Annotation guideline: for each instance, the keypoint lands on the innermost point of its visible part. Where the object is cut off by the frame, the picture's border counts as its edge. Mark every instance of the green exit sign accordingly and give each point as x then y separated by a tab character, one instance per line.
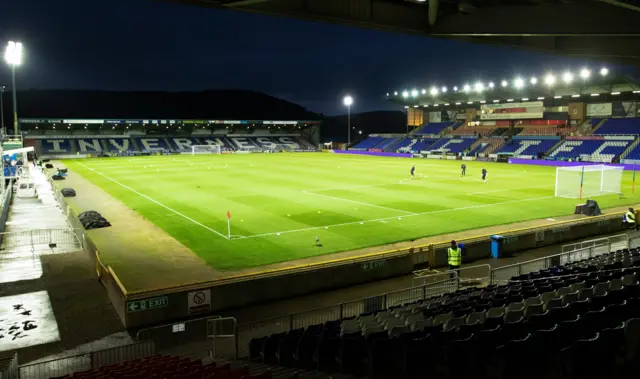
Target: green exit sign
146	304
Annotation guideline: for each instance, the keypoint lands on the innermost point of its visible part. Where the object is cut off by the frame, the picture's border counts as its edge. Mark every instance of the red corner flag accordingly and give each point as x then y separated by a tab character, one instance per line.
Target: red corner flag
229	224
229	215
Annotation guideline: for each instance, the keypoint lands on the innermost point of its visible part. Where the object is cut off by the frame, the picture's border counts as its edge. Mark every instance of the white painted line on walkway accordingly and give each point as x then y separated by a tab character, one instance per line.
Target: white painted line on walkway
156	202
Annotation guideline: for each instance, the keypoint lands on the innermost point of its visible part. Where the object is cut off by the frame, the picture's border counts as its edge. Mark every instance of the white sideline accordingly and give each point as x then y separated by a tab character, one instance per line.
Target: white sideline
511	189
358	202
390	218
154	201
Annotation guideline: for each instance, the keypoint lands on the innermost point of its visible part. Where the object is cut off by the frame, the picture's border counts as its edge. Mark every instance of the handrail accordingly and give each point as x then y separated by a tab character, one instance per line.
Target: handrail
350	260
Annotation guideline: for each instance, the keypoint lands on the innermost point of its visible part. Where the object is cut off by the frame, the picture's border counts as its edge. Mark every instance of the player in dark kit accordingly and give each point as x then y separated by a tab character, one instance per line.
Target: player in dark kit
413	171
484	175
464	169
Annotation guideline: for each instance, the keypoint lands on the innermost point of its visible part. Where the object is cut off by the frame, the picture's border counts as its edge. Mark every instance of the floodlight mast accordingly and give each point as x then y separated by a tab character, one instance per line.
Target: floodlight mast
348	102
13	56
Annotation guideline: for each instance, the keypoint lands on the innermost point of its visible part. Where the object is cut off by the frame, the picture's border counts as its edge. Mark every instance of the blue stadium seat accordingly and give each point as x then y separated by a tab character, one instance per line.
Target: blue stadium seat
434	127
527	147
368	143
453	145
602	150
620	126
54	146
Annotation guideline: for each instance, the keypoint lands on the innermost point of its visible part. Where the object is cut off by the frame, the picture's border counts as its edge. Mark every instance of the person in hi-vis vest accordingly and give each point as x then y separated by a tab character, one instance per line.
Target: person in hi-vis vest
630	217
454	254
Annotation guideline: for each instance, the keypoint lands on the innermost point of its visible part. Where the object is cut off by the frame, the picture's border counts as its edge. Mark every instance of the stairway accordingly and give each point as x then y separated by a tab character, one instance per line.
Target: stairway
555	146
494	145
33	222
629	149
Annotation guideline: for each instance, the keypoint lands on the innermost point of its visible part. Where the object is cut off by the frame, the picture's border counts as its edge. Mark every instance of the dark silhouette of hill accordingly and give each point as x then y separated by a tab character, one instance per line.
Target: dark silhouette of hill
335	127
211	104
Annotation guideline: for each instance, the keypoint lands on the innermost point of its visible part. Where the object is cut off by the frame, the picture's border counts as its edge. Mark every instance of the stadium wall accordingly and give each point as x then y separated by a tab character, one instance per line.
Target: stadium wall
374	153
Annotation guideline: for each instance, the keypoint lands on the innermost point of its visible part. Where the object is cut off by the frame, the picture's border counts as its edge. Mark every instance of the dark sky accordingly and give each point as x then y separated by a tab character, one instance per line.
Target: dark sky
151	45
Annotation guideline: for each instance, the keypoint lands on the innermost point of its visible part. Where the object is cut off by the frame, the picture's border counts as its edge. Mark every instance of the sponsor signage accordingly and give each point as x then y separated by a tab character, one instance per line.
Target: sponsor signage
529	104
80	121
602	109
512	116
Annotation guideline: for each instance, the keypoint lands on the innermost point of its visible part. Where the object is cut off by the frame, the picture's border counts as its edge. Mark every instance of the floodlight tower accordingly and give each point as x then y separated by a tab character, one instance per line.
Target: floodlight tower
2	110
348	102
13	56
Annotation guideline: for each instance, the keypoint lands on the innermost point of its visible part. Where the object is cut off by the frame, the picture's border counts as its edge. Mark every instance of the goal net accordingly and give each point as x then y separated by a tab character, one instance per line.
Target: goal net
587	181
205	149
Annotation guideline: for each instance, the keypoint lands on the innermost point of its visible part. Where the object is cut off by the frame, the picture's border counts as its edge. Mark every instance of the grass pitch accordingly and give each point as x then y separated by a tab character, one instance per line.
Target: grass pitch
279	203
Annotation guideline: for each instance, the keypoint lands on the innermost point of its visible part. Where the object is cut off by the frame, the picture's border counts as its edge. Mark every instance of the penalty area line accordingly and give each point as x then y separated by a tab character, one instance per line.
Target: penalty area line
156	202
394	217
359	202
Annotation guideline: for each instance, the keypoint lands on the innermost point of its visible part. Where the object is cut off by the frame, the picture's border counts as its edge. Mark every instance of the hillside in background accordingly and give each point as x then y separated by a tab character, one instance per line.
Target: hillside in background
335	127
212	105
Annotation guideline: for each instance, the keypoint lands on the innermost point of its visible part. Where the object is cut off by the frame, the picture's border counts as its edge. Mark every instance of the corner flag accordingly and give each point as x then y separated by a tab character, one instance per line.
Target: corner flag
581	181
633	184
229	224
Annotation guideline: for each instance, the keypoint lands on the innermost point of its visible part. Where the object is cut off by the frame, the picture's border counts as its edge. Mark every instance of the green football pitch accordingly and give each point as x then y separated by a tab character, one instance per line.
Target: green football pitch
279	203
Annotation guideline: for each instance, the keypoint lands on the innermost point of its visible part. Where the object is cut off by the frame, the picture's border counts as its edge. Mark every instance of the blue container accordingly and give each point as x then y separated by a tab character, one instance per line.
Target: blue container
497	244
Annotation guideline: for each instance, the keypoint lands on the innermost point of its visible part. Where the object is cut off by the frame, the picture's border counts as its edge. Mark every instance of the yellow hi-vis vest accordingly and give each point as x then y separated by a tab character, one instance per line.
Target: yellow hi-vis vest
631	218
455	256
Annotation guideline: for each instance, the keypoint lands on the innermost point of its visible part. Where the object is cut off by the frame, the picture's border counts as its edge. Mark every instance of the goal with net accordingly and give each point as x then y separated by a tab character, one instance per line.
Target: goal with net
205	149
586	181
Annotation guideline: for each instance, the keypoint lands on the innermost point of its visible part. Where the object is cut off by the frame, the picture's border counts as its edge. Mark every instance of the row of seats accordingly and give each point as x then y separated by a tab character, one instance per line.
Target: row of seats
618	126
473	131
547	131
565	304
435	127
527	147
149	144
597	150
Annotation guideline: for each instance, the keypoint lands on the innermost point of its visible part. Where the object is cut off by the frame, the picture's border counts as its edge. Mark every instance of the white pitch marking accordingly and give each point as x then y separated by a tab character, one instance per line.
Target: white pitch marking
509	189
358	202
394	217
159	203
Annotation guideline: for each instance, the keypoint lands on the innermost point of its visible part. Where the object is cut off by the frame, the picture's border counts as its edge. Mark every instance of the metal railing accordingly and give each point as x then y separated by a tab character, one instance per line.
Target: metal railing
249	331
619	241
82	362
505	273
223	333
9	368
477	275
167	336
39	237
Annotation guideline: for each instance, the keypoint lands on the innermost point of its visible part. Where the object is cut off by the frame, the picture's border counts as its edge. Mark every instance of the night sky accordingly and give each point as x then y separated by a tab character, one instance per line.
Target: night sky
149	45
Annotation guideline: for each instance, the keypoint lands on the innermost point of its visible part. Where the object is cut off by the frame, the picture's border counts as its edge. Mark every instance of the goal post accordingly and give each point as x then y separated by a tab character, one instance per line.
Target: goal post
586	181
205	149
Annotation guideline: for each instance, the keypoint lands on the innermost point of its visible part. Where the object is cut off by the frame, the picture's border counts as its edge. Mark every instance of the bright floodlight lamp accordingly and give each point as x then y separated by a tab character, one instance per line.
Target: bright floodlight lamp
504	83
443	89
455	89
414	93
424	91
466	88
491	85
550	80
395	93
518	83
534	80
604	71
13	53
567	77
405	94
348	101
585	73
433	91
479	87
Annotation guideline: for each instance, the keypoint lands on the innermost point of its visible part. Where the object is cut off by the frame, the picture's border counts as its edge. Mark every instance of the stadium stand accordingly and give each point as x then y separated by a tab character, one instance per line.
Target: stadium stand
473	131
434	127
453	145
368	143
485	145
386	143
527	147
596	150
423	144
578	320
56	146
620	126
535	130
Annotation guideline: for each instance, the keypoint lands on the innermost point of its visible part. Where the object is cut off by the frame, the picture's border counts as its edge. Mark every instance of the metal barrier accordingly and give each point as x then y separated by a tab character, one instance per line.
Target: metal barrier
40	237
620	241
9	368
505	273
247	332
477	275
168	336
224	329
82	362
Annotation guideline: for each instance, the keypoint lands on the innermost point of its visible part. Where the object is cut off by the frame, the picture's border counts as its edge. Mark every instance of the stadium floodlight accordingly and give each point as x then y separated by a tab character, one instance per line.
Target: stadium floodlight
405	94
504	83
567	77
585	73
525	99
479	87
433	91
518	83
496	101
541	98
595	94
458	103
509	100
455	88
348	102
575	95
414	93
387	93
615	93
604	71
550	80
466	88
395	93
424	91
557	97
534	80
13	56
443	89
491	85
